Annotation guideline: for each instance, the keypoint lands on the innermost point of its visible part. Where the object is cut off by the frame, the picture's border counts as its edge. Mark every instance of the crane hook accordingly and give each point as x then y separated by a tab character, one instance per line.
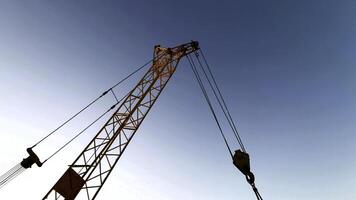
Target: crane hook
242	161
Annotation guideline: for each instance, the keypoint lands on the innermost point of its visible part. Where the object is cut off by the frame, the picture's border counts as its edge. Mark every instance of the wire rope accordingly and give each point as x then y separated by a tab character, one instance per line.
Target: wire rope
81	132
198	78
95	100
220	100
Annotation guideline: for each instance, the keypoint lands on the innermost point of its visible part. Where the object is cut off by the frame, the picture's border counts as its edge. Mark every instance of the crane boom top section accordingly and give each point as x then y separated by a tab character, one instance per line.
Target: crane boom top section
87	174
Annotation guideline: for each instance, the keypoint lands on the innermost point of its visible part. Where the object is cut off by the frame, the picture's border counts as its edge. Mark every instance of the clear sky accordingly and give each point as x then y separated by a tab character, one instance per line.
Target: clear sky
286	68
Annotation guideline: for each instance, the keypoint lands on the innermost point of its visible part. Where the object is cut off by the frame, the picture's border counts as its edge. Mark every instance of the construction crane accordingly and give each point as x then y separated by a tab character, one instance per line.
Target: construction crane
93	166
86	176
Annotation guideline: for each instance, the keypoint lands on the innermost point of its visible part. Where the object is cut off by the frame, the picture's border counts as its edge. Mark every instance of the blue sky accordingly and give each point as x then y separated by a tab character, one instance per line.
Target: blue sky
286	68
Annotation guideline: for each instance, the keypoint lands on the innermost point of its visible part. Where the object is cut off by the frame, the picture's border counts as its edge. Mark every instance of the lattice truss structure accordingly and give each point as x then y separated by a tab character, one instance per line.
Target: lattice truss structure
88	173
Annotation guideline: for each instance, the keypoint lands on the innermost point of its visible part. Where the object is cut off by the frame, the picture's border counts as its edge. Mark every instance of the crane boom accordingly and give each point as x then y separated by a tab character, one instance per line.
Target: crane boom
87	174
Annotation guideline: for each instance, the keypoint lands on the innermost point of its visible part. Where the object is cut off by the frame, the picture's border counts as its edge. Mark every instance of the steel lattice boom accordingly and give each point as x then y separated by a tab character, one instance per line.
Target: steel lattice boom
88	173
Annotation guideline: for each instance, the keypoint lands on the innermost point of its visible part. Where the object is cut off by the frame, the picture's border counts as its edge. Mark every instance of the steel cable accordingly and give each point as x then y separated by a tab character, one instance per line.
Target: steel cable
222	98
82	131
95	100
11	174
221	103
198	78
229	118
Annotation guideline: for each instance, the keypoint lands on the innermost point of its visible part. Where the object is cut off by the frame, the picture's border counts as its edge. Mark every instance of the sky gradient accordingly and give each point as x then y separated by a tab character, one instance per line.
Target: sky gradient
286	68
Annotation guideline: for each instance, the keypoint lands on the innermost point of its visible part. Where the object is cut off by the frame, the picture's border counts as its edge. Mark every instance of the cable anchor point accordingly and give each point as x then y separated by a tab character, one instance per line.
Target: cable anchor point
31	159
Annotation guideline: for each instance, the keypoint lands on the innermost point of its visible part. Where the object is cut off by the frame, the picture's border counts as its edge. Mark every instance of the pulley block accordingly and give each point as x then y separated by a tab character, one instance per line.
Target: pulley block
242	161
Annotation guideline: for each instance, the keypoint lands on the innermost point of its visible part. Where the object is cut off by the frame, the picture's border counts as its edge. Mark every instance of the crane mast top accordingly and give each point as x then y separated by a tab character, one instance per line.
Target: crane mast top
87	174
